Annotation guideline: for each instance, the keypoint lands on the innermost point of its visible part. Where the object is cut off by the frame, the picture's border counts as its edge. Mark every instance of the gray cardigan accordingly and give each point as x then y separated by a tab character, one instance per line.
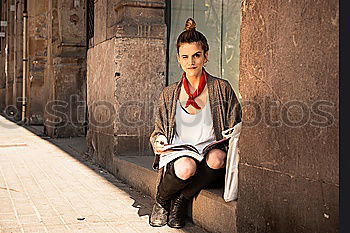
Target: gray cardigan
224	106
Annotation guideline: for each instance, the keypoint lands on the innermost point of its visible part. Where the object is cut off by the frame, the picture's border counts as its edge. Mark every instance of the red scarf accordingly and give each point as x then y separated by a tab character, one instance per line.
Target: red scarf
191	97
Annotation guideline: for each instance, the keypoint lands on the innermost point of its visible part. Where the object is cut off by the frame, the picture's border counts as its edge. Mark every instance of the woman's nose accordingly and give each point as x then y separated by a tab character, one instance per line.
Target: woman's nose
191	60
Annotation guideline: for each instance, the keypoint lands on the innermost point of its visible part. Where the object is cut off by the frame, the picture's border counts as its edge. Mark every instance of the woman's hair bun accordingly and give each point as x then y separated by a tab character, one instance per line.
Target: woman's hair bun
190	24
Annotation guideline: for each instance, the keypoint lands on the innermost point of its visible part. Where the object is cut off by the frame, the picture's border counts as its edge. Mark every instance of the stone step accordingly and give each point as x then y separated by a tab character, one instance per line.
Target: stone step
208	210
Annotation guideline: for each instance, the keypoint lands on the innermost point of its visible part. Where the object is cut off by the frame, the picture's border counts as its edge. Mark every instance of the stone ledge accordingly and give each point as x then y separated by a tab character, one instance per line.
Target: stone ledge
208	210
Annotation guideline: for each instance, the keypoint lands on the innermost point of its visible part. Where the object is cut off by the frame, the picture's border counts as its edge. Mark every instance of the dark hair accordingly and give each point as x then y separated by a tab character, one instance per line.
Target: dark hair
191	35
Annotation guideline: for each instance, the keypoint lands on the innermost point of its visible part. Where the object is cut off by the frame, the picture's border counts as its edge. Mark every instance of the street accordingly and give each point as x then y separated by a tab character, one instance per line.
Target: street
46	186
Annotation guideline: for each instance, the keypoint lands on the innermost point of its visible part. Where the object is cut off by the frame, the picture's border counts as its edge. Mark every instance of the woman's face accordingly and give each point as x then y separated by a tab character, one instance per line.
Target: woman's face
191	57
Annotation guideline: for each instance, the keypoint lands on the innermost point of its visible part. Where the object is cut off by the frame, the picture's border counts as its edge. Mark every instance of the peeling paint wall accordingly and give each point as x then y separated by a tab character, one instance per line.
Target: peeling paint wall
289	172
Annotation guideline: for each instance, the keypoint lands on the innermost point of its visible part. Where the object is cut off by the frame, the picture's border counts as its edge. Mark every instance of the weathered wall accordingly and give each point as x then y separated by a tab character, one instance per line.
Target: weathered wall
2	59
8	84
138	86
9	53
18	58
65	72
37	58
49	84
126	70
101	100
289	172
57	64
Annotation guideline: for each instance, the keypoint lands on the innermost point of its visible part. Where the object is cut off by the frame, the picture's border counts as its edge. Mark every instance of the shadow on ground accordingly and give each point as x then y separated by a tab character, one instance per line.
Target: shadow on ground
76	147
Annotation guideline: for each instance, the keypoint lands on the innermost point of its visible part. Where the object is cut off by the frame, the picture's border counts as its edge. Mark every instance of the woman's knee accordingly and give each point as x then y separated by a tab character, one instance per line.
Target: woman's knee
185	168
216	159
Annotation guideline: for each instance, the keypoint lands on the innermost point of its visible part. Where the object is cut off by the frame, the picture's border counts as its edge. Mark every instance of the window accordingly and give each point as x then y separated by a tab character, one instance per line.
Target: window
219	21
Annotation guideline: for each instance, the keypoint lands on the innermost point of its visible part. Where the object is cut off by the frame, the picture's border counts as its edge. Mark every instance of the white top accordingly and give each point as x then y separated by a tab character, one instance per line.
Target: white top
195	129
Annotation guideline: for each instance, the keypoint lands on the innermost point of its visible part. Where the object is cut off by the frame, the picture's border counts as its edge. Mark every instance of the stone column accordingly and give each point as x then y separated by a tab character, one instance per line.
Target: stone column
65	71
37	58
289	145
18	56
9	53
140	60
127	62
3	12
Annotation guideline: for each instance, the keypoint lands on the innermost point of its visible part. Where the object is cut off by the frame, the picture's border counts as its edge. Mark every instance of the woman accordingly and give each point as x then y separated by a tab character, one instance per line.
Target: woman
194	111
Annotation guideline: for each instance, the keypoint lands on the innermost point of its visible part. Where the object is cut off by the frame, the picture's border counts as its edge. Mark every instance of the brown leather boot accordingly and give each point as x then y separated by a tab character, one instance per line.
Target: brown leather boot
160	212
178	211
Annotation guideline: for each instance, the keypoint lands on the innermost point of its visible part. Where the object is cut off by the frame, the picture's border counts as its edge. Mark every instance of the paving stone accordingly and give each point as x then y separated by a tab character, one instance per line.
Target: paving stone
47	188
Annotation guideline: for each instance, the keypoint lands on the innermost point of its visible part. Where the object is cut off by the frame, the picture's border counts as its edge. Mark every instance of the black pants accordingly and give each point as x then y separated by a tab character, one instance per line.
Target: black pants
171	185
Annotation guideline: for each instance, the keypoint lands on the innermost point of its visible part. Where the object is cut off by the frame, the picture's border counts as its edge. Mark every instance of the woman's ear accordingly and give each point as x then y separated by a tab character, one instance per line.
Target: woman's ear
206	56
178	60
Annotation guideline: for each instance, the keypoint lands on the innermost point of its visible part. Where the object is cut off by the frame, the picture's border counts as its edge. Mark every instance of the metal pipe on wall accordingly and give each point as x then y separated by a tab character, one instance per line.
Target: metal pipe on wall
25	63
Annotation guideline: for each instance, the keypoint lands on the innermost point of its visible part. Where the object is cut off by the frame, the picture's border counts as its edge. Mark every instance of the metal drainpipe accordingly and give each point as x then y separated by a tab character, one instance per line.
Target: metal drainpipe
25	62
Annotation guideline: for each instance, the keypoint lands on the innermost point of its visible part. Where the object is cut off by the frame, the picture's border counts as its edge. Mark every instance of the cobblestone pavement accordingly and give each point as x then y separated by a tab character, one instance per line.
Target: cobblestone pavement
46	187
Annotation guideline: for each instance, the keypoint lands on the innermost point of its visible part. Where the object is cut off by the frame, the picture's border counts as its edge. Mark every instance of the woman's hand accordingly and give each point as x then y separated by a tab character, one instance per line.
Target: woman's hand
160	142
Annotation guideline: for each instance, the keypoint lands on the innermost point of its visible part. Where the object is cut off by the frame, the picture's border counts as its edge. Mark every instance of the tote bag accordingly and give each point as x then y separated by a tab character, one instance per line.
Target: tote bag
232	159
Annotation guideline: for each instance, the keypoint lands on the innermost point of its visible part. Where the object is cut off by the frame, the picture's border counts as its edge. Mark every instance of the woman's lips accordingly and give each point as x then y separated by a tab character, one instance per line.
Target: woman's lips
192	68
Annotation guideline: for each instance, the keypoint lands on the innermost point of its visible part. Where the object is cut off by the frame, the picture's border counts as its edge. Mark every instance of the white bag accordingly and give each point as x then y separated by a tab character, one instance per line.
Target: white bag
232	159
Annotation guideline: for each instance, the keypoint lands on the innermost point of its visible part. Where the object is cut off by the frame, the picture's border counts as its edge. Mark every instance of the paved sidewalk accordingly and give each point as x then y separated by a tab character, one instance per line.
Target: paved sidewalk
48	186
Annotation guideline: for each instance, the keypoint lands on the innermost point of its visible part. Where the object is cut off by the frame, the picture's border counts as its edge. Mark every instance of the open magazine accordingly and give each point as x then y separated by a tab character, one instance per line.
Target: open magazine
173	151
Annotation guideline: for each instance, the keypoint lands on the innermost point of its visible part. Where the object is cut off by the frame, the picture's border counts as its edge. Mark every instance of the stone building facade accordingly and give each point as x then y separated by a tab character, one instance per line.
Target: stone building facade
55	64
289	173
65	87
288	81
126	67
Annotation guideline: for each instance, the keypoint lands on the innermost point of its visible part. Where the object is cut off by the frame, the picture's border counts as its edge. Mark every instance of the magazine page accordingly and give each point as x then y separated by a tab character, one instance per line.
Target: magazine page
215	144
170	156
177	147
